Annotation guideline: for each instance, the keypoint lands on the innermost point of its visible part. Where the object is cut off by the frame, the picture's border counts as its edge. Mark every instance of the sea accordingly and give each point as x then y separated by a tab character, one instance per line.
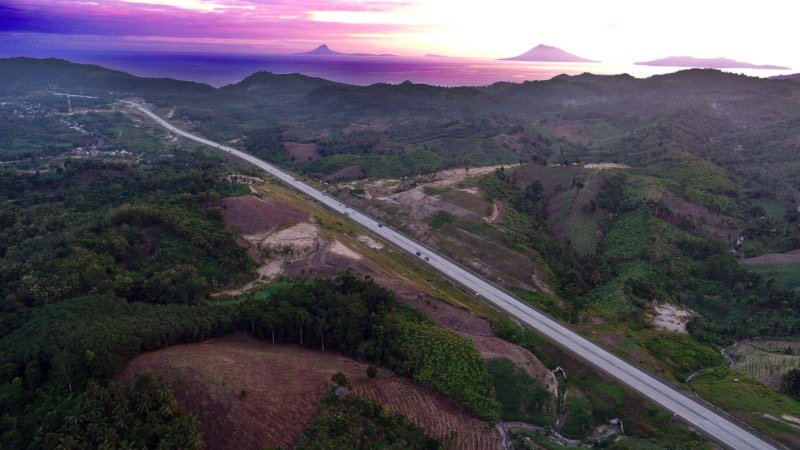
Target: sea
223	69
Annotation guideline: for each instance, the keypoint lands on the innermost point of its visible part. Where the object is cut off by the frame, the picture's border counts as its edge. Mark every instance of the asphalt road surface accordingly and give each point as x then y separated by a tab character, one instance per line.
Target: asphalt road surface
696	414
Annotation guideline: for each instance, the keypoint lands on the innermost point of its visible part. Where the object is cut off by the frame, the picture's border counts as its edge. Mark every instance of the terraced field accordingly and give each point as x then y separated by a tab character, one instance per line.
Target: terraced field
766	361
439	417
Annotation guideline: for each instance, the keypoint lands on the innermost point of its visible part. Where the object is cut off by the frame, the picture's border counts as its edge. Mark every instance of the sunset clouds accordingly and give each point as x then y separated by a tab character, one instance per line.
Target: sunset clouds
219	25
613	30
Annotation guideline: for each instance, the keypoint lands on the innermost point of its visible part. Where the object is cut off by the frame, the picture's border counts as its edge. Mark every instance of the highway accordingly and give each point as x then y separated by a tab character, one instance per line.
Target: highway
696	414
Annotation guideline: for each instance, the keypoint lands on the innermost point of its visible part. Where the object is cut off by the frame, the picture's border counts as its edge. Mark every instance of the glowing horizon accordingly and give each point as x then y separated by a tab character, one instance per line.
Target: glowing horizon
617	31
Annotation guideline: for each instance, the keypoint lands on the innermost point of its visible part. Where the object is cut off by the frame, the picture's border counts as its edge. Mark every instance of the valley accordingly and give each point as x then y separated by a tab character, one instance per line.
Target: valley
617	226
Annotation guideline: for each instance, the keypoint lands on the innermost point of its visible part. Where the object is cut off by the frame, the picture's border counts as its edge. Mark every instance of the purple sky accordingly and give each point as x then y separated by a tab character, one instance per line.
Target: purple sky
229	26
610	30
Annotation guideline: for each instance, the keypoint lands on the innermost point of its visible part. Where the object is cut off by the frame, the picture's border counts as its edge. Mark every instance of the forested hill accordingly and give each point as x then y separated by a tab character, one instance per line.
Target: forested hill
618	92
291	86
730	120
22	75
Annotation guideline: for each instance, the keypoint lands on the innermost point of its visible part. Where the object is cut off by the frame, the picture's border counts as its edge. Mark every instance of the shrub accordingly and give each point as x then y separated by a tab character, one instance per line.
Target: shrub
339	379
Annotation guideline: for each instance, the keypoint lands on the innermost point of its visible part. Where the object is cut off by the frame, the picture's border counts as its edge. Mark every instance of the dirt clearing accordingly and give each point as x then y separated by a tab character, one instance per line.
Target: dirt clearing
792	257
301	152
670	317
297	239
284	386
249	215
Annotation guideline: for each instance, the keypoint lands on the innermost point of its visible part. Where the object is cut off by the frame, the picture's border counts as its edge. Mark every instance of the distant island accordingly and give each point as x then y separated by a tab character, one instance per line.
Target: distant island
706	63
434	55
792	76
324	50
546	53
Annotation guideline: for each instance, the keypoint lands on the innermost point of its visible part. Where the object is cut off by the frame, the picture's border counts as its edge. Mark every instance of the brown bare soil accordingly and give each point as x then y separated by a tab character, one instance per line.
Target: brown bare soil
327	261
346	173
249	215
498	213
284	385
301	152
375	125
437	415
792	257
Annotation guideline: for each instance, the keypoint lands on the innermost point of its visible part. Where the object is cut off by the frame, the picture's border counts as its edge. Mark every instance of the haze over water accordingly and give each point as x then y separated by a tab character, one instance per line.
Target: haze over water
219	69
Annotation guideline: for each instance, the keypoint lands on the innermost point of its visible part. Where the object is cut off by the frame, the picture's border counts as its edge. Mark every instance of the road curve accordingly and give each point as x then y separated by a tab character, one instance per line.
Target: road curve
696	414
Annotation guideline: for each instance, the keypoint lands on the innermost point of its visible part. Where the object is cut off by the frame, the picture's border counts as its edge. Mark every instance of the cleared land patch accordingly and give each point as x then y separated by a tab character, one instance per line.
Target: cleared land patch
669	317
284	384
301	152
250	215
792	257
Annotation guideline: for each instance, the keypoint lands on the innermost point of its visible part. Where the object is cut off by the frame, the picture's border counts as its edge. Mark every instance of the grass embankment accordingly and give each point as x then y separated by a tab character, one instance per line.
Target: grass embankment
770	412
521	398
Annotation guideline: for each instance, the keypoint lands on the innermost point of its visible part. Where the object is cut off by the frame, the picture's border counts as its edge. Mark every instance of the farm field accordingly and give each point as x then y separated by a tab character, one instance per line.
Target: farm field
766	361
441	418
249	394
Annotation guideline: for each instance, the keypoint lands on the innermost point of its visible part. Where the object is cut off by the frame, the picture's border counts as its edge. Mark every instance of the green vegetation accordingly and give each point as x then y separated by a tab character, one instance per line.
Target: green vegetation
448	363
579	417
520	396
440	219
628	238
681	353
147	233
359	318
99	222
66	347
743	397
524	440
529	201
353	423
790	384
143	414
412	161
704	183
785	277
